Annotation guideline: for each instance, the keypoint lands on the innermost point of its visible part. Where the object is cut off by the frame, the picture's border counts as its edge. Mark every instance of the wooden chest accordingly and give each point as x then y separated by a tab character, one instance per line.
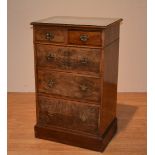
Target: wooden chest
76	69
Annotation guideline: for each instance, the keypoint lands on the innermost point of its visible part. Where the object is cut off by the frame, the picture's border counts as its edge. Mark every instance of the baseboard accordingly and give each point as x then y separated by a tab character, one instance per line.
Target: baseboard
96	143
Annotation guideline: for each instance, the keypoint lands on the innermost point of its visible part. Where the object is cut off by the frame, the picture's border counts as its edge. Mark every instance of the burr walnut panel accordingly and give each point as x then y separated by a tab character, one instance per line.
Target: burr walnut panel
68	85
68	114
69	58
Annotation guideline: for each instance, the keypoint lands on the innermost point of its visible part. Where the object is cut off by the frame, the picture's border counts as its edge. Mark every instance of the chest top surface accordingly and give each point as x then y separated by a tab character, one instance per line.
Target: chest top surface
78	21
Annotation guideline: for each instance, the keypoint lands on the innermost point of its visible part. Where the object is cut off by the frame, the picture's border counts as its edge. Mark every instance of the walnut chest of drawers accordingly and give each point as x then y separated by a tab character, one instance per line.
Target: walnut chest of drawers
76	69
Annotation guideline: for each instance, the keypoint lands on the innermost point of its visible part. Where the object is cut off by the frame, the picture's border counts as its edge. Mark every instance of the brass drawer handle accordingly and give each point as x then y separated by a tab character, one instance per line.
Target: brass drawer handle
84	37
49	36
50	83
83	117
50	56
84	61
83	87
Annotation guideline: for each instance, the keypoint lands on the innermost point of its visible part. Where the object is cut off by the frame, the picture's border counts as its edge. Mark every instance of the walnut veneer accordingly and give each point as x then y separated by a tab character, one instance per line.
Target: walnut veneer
76	70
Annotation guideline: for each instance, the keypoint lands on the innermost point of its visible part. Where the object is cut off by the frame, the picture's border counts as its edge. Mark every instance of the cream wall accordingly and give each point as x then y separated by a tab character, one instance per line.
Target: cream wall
132	59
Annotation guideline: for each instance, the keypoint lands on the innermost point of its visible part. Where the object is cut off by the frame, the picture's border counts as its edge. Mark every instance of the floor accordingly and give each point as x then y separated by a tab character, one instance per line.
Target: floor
129	140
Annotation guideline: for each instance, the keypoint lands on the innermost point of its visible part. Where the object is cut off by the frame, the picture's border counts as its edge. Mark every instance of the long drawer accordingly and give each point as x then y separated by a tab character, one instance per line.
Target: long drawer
69	85
81	60
67	114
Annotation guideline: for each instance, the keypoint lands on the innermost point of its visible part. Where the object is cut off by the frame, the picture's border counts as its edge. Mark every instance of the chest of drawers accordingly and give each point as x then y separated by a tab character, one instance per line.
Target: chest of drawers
76	69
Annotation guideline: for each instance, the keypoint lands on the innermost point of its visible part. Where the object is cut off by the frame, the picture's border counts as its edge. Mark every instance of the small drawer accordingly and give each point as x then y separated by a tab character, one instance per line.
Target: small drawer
50	34
91	38
67	114
81	60
62	84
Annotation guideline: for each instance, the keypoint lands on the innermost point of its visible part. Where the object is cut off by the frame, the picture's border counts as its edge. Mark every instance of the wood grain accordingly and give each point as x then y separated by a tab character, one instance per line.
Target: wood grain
110	75
59	35
95	143
93	37
87	22
129	140
81	60
60	84
111	34
67	114
68	85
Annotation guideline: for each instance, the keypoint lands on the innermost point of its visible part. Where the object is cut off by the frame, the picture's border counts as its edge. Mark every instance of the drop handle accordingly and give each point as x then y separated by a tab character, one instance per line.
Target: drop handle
83	87
83	117
84	37
50	56
49	36
51	83
84	61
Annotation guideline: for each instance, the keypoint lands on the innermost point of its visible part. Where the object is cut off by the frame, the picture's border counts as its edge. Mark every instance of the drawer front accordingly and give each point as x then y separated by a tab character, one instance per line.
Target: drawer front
85	37
68	85
67	58
50	34
68	114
